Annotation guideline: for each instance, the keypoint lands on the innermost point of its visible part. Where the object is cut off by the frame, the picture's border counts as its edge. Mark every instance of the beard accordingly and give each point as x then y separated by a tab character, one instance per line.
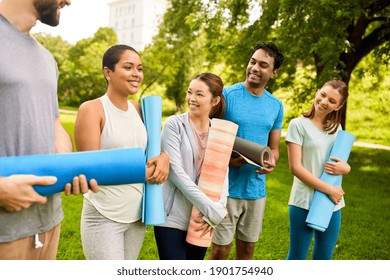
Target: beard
254	82
47	12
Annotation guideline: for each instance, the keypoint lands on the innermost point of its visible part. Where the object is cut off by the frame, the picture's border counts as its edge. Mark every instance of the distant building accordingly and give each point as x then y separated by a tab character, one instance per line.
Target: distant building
136	21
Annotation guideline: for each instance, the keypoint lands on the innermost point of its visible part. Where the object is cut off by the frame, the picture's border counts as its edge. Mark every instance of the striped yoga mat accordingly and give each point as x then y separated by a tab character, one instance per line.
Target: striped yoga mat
222	134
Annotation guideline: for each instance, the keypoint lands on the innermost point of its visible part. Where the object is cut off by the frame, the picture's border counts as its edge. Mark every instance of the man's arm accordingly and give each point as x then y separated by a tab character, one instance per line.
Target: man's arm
63	142
274	142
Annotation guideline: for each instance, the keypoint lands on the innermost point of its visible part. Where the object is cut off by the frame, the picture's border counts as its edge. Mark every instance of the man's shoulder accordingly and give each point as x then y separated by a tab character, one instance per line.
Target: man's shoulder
42	48
234	88
273	97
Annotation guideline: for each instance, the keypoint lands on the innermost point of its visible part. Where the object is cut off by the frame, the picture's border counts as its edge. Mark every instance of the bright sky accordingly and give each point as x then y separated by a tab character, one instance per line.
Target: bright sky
79	20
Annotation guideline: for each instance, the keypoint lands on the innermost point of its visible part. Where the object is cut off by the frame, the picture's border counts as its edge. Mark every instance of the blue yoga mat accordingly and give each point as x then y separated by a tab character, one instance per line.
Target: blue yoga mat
107	167
153	203
322	206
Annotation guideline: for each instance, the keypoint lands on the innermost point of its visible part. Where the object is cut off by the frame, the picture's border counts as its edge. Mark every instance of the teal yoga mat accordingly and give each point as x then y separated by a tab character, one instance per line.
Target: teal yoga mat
322	207
153	203
107	167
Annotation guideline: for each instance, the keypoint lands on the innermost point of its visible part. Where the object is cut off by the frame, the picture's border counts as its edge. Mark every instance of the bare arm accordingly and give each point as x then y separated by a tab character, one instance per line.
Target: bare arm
274	142
88	126
295	162
83	143
63	142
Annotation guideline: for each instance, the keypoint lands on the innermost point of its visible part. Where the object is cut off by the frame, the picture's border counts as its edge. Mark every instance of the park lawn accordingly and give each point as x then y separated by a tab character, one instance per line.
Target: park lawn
365	219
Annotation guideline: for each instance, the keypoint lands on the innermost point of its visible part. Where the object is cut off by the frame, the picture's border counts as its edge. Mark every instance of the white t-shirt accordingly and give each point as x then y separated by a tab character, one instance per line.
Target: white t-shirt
122	129
316	145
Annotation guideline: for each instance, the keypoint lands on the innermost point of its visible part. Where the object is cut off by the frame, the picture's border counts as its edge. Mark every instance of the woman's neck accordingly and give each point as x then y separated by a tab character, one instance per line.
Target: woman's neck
120	101
318	121
201	124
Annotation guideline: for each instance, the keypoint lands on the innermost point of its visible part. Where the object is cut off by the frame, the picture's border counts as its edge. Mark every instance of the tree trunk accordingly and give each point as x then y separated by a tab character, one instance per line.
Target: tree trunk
345	79
344	115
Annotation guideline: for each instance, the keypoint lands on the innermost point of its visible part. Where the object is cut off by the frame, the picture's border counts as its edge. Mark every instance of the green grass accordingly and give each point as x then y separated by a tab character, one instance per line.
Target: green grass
365	219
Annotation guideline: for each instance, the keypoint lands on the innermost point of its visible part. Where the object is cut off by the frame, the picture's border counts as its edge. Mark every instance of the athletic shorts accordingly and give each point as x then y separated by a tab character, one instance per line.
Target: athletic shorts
245	220
42	246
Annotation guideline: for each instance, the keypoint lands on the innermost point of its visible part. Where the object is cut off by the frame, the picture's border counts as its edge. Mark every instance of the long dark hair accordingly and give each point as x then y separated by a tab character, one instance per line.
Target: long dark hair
333	119
215	86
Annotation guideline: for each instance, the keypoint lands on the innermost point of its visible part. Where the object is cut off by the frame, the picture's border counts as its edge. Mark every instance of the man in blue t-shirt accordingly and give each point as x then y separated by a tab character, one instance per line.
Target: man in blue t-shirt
259	115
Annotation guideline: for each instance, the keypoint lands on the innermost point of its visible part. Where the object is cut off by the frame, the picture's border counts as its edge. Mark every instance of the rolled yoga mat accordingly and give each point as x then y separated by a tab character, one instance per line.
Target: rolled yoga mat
322	207
107	167
153	204
252	152
212	176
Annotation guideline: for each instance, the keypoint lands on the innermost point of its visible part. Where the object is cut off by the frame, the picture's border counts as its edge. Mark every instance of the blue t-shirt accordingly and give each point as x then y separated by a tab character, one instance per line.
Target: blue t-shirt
256	117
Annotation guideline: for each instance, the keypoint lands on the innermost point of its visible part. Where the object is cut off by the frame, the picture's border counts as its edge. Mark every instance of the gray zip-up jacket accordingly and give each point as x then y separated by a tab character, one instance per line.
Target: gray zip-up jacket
180	191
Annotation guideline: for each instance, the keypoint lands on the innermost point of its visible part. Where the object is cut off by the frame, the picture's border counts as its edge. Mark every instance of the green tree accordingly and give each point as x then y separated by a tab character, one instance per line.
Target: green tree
328	37
368	108
81	77
337	34
176	53
80	69
321	39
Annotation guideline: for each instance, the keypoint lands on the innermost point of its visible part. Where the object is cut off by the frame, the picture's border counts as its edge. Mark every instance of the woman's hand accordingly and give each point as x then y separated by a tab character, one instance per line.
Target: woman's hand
337	167
157	169
336	194
80	185
203	226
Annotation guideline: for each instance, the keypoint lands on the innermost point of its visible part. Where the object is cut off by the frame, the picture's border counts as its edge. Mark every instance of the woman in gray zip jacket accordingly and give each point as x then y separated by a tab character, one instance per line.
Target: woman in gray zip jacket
184	138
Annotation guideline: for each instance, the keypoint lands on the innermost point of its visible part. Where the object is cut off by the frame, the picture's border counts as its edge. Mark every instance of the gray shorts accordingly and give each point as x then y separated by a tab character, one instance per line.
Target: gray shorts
245	220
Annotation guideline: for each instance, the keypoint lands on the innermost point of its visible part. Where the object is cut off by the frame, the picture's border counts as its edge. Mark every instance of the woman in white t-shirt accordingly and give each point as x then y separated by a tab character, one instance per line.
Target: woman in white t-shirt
309	141
111	227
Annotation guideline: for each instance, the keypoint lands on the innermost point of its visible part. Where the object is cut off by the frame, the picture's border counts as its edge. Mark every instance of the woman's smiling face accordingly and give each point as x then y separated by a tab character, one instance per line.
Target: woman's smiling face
327	100
199	98
128	73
